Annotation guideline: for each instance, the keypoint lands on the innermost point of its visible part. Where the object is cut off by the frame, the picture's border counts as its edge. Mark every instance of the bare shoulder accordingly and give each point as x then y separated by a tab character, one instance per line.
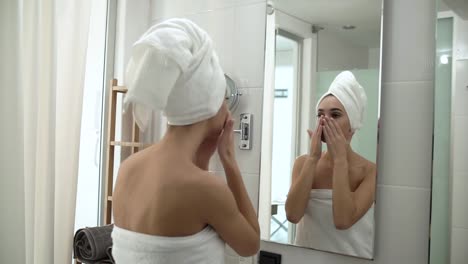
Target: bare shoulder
369	167
214	195
132	162
209	184
300	160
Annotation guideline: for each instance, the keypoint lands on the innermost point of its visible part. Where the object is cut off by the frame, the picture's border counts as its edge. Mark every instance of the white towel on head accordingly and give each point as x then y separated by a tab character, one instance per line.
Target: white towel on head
174	68
351	94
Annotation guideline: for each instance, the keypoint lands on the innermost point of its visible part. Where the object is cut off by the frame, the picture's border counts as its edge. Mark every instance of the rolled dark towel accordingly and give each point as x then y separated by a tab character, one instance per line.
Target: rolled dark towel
91	244
109	254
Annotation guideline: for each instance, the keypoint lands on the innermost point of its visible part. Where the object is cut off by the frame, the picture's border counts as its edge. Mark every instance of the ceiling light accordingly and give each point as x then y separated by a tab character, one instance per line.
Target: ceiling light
348	27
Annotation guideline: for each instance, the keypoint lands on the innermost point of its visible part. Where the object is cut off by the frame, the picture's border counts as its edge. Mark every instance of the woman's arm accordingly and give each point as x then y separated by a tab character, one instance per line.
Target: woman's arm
348	206
303	178
298	195
234	216
343	203
205	152
231	217
237	187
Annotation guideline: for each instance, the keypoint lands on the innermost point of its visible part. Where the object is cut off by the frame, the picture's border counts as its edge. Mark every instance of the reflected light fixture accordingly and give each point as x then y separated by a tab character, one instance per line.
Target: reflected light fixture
444	59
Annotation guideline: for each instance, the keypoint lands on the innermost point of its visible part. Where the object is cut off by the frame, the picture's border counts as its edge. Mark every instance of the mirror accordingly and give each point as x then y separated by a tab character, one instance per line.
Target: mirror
232	93
322	61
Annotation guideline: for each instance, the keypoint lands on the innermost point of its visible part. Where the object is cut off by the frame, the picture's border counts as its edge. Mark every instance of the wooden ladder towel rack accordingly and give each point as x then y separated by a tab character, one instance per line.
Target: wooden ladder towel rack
134	144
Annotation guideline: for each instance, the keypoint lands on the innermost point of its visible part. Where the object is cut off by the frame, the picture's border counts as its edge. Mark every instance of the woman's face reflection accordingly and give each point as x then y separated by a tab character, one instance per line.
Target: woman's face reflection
333	108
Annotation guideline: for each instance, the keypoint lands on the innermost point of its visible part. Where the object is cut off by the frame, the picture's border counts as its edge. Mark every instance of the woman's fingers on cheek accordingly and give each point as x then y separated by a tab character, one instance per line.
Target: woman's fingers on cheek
319	123
330	127
329	130
325	124
327	133
320	130
337	127
333	126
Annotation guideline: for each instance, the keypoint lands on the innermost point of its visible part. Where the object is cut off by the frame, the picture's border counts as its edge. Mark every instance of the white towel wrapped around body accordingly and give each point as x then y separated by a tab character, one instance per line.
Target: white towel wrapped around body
173	68
317	229
351	95
204	247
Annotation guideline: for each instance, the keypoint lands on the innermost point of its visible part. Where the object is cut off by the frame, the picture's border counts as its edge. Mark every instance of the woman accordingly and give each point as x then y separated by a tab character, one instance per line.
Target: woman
332	192
167	207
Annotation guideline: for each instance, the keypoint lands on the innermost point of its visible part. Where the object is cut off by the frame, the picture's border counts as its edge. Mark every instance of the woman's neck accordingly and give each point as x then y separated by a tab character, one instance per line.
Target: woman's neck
352	157
184	139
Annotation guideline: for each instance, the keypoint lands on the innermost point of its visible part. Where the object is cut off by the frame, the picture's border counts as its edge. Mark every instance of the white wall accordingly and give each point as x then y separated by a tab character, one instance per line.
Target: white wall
374	58
11	186
404	165
459	236
336	54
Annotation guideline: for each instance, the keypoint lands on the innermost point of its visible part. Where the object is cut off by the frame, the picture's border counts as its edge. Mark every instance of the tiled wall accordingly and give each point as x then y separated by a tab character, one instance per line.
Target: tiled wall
404	180
459	236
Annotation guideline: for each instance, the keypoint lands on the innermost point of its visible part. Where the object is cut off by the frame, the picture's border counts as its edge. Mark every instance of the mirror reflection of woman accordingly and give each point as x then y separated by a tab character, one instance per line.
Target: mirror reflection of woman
332	193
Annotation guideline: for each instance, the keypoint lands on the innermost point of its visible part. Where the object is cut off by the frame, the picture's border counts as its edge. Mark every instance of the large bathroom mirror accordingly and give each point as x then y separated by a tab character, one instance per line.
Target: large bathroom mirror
322	69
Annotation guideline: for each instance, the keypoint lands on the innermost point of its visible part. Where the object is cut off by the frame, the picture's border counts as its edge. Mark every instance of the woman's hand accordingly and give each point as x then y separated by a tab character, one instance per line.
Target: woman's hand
226	141
208	147
336	142
316	141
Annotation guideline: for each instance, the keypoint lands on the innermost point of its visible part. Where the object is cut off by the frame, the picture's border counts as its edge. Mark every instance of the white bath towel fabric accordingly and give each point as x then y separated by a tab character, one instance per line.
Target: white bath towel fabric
317	230
352	95
204	247
174	68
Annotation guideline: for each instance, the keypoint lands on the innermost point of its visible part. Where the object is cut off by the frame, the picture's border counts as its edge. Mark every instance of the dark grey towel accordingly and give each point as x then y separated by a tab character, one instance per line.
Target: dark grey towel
91	244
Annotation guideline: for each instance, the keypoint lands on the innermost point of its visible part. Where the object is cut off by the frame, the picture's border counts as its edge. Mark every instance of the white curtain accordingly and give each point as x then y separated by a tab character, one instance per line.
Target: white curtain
43	53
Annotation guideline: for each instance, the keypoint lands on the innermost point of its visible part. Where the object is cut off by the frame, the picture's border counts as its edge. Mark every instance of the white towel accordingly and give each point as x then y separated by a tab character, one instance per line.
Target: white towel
174	68
317	229
204	247
351	94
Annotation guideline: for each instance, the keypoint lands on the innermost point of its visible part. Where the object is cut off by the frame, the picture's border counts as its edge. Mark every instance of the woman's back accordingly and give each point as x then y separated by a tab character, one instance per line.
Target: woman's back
158	211
156	193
